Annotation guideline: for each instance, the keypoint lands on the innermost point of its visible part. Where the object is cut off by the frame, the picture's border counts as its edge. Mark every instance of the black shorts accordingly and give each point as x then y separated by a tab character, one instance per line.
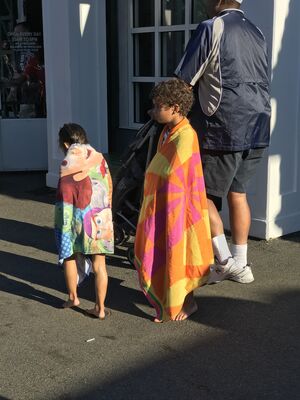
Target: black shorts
228	171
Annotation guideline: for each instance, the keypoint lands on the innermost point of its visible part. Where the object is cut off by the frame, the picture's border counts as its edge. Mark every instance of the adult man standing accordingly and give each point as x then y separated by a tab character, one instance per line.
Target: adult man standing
226	60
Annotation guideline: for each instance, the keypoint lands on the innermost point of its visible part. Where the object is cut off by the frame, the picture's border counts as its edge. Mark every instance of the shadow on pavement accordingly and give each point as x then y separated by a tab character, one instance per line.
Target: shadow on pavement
42	238
25	290
294	237
254	356
119	297
50	276
32	271
27	185
27	234
119	259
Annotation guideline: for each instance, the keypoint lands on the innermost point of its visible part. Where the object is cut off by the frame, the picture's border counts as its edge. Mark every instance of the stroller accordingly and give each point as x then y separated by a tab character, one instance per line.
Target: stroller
128	184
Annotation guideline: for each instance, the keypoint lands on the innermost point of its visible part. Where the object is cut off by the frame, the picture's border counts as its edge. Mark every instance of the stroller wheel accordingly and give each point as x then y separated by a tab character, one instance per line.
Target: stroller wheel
119	235
130	254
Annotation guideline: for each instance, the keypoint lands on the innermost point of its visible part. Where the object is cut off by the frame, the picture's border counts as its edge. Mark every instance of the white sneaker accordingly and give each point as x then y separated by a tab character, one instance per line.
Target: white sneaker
230	271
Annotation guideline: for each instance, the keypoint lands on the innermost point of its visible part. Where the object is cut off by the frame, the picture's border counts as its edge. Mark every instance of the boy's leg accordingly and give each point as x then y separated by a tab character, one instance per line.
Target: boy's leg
101	283
70	271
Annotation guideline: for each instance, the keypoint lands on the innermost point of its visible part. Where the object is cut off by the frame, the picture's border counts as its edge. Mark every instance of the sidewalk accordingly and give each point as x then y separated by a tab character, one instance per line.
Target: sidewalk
243	344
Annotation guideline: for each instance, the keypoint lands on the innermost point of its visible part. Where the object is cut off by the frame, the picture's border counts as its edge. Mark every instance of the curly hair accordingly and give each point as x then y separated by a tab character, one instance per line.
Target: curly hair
174	91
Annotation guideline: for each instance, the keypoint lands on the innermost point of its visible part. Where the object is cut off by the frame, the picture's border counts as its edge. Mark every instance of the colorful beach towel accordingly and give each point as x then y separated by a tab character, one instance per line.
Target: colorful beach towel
173	247
83	218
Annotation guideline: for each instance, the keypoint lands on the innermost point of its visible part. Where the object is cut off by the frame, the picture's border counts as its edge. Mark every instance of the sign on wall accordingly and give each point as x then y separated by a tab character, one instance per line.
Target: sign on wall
22	71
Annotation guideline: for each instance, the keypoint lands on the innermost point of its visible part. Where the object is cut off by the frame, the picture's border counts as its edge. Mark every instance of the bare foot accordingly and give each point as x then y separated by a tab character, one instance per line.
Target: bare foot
158	321
95	313
186	311
71	303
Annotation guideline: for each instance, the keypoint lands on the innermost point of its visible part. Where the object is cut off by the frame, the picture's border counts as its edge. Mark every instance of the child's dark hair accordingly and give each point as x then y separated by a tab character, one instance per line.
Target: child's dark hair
72	133
174	91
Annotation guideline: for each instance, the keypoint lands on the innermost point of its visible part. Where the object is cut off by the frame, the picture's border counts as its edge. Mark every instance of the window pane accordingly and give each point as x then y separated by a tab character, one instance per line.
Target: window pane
144	54
172	48
143	13
22	71
142	103
198	11
173	12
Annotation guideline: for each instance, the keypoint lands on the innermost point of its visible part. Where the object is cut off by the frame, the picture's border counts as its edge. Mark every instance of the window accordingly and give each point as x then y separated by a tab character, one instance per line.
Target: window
22	72
158	33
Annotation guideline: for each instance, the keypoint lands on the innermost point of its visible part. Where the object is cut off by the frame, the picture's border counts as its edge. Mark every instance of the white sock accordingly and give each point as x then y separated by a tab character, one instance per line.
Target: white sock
221	249
239	253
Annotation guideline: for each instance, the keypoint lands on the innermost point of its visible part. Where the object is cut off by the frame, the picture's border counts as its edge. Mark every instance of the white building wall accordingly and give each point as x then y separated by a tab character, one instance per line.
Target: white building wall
283	189
75	58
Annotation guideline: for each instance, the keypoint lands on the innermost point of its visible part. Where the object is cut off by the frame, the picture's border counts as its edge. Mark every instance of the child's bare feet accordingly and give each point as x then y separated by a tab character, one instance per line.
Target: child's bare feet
96	313
189	307
157	320
186	311
71	303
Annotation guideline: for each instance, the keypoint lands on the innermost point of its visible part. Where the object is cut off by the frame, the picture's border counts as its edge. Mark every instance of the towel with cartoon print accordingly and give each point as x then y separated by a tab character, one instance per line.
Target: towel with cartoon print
83	217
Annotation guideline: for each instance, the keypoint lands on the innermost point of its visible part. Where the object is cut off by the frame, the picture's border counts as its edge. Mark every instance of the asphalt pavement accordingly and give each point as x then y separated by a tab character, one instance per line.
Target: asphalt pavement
243	344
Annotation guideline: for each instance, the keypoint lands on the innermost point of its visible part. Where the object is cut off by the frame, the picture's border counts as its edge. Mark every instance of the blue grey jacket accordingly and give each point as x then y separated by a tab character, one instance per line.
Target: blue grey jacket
226	60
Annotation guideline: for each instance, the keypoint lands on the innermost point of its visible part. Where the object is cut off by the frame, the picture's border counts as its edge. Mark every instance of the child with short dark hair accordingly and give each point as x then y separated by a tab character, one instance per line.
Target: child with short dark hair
83	218
173	248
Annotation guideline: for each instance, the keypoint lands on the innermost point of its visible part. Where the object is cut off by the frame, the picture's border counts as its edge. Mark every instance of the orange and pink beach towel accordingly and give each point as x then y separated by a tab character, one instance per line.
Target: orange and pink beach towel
173	249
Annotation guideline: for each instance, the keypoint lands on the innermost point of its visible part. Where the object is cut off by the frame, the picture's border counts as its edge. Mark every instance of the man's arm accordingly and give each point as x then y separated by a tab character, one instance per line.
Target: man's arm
197	54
